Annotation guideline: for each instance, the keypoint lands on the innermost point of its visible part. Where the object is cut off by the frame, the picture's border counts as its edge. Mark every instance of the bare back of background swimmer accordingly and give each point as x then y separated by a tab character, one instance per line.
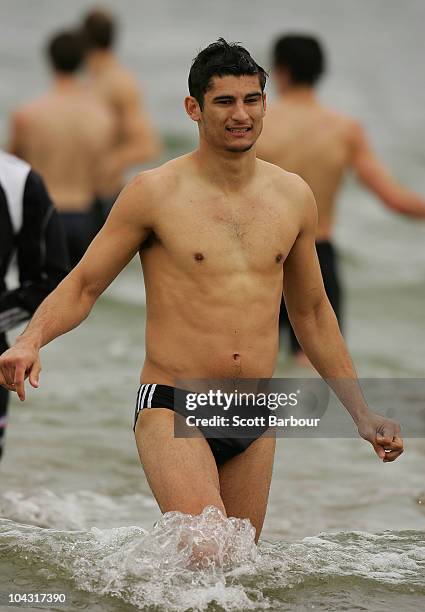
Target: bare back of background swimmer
216	230
65	133
302	135
135	139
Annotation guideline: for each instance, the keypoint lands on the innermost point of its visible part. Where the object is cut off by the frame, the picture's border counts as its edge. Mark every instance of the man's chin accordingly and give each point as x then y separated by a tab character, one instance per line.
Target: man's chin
240	148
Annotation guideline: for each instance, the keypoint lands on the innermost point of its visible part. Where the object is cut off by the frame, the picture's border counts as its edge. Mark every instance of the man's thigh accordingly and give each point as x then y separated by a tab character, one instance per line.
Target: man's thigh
181	472
245	482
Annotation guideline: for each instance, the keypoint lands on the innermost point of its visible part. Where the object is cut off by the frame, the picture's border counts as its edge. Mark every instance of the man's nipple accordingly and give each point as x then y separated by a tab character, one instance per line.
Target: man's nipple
198	256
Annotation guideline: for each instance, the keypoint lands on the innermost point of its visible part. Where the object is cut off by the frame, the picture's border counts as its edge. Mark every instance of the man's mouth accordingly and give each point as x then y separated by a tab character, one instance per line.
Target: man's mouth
239	131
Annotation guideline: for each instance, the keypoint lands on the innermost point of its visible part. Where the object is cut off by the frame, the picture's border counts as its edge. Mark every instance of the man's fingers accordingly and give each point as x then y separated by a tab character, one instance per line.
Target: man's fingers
392	455
379	450
18	381
397	443
34	377
390	442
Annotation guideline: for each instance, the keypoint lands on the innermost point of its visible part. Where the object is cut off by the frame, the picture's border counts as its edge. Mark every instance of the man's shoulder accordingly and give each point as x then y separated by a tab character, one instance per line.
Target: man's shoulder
345	122
24	113
160	181
282	179
290	188
119	82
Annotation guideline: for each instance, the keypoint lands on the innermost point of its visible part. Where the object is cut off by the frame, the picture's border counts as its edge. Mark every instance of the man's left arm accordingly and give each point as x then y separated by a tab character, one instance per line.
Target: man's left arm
316	327
41	254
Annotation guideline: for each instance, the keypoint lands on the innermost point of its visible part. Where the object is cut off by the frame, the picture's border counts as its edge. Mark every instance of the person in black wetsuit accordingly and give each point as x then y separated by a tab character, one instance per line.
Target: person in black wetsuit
29	229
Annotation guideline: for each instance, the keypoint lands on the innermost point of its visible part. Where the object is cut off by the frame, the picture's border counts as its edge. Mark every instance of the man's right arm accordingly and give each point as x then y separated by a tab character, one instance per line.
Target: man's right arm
373	174
70	303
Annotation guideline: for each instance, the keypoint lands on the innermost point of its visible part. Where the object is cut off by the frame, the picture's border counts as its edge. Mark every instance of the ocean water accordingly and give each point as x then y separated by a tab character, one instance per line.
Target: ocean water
343	531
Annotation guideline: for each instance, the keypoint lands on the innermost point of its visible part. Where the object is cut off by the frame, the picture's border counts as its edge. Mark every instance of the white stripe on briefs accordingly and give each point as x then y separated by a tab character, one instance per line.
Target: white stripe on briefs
143	396
137	402
151	395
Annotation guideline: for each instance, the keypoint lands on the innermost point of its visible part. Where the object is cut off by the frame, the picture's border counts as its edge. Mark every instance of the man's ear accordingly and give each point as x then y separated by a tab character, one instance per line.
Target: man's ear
264	101
192	107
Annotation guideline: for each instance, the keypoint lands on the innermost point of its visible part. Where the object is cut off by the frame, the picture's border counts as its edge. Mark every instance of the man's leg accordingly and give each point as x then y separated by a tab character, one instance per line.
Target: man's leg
181	472
245	482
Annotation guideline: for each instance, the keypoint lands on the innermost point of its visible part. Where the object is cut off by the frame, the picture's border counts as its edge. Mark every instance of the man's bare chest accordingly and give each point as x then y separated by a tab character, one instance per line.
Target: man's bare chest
250	234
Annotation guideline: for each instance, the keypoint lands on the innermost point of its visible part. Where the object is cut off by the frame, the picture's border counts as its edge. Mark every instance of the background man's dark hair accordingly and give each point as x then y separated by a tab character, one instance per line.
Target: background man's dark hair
99	29
221	59
66	51
302	56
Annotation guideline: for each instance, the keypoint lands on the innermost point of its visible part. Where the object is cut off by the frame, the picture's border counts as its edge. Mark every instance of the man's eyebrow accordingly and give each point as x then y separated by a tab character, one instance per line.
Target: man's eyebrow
224	97
229	97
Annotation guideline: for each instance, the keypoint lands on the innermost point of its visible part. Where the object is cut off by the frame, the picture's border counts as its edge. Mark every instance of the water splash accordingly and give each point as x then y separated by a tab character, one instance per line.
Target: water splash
211	562
181	562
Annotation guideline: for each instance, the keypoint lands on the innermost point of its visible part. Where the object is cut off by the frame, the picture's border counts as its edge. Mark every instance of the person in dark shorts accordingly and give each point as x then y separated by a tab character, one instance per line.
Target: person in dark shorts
303	136
65	135
29	229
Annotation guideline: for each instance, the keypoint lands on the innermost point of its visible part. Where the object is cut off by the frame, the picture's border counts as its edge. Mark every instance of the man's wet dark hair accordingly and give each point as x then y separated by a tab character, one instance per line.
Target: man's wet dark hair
221	59
66	51
99	29
302	56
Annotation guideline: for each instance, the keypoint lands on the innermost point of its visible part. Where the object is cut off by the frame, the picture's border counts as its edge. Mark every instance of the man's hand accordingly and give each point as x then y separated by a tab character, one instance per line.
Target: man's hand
17	364
383	434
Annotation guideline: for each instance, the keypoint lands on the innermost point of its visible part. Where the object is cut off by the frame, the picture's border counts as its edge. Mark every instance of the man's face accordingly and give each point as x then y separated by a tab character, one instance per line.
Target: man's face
233	111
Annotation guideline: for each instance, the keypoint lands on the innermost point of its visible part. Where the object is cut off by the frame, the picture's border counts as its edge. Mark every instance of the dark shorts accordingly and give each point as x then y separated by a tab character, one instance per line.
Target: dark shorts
328	265
163	396
79	230
100	211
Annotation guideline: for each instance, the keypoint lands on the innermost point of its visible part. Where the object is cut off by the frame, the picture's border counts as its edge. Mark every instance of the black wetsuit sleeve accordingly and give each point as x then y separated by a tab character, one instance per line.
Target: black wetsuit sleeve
41	252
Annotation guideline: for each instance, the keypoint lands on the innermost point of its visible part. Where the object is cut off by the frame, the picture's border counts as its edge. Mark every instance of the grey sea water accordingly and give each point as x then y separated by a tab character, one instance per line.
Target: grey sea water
343	531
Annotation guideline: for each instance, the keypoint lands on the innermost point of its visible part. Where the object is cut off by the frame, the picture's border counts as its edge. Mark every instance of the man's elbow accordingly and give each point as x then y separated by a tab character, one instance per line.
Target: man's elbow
311	312
81	290
407	204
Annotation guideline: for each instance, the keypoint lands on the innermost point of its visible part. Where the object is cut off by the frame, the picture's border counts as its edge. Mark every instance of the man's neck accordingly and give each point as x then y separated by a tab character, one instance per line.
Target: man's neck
301	94
65	82
99	59
229	171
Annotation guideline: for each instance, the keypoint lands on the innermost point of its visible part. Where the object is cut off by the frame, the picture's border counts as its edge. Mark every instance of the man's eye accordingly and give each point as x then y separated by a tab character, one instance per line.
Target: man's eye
252	100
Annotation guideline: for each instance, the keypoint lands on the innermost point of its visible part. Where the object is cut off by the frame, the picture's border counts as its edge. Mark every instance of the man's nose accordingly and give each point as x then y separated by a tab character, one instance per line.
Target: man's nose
239	112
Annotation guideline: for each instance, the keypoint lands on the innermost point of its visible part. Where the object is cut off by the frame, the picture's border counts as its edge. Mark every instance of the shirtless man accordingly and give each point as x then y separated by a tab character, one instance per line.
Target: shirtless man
135	140
303	136
63	135
214	229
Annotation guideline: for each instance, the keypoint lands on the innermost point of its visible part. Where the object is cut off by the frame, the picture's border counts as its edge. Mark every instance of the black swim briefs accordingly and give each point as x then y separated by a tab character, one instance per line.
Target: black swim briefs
163	396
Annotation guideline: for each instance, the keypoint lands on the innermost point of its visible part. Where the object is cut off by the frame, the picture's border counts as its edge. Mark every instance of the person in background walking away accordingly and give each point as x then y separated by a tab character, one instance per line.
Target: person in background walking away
64	135
136	141
303	136
29	229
